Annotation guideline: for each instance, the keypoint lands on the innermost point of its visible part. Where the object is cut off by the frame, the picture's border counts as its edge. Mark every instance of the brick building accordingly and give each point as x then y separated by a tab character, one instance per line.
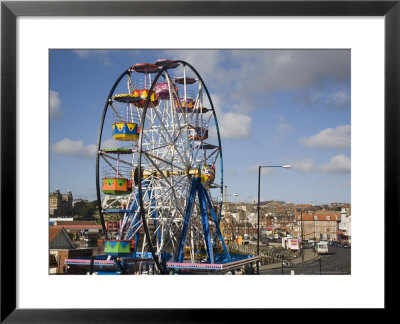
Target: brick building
320	225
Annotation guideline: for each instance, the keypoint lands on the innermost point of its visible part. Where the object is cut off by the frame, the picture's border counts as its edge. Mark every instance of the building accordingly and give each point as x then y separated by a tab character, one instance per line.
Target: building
345	224
81	230
321	225
60	205
58	240
252	217
61	248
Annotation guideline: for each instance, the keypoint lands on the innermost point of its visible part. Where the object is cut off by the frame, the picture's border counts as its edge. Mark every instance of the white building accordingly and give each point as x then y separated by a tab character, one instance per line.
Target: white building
252	218
345	223
235	216
242	207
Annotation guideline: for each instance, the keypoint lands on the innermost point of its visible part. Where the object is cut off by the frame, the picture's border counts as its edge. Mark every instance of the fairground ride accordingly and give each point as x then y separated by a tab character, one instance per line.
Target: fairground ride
160	174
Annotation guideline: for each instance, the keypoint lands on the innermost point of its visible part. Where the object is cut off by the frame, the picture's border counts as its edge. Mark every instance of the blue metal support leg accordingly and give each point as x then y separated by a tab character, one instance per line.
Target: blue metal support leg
204	219
188	213
218	231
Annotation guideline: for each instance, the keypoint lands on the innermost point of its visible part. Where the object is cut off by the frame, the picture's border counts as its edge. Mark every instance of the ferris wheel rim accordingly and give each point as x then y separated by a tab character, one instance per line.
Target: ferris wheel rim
99	137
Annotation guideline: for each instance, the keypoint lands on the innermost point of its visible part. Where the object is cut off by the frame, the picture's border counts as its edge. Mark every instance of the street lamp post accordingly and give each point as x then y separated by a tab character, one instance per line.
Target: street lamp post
258	206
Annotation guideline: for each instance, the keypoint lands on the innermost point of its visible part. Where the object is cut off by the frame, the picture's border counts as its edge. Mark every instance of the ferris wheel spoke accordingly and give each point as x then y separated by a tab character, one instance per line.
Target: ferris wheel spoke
130	83
114	201
171	140
172	236
174	98
115	111
164	143
171	188
133	227
106	156
114	168
208	157
160	145
126	221
150	158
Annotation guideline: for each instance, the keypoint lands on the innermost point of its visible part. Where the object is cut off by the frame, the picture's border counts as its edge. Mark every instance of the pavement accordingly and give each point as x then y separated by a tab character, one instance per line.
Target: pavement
309	255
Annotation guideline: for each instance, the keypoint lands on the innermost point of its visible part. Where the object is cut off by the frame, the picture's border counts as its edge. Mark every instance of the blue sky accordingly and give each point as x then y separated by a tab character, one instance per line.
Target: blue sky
274	107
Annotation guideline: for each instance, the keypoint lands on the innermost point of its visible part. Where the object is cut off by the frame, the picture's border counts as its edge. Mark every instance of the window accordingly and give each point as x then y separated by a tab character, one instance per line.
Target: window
328	217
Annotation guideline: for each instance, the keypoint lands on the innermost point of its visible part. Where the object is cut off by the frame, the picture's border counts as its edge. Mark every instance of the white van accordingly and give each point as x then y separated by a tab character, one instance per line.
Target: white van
321	247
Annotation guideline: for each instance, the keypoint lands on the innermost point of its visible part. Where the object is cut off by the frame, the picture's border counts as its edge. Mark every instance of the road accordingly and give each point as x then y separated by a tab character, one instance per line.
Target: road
336	262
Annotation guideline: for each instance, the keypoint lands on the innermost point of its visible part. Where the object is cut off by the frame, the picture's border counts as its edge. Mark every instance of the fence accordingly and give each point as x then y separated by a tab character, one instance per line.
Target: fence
268	255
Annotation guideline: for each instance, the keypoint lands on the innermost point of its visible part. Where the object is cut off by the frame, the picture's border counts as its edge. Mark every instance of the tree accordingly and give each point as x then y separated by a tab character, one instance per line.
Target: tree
85	210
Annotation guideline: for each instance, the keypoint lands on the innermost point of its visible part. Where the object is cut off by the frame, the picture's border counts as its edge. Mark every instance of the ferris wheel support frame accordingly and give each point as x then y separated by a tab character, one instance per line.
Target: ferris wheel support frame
205	204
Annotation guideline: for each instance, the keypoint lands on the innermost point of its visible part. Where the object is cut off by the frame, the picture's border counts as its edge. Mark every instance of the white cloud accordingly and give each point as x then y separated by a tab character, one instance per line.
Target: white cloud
234	125
339	164
305	165
100	55
208	63
290	70
231	124
110	143
262	72
74	148
338	98
55	104
316	97
338	138
264	171
282	128
83	53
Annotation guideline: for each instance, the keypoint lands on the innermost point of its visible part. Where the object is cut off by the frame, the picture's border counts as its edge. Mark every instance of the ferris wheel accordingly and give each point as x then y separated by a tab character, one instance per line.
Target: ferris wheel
159	168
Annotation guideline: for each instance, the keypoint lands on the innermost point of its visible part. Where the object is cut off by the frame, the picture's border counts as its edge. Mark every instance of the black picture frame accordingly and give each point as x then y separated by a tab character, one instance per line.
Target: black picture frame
10	10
